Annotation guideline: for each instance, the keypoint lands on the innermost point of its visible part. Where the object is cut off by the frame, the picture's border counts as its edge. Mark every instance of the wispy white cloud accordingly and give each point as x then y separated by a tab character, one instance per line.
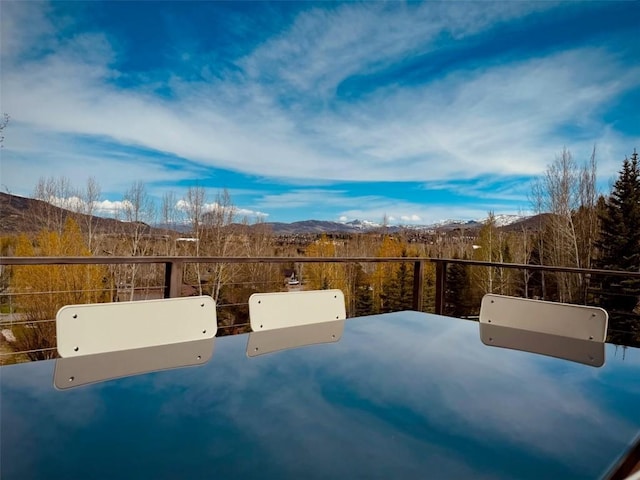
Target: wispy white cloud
33	152
246	212
98	207
374	207
208	207
112	208
71	203
505	115
26	29
279	115
323	47
303	198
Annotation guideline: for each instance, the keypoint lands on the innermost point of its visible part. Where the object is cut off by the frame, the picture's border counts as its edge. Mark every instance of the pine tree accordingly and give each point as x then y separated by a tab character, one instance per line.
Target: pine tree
458	295
363	293
619	242
398	289
384	275
364	301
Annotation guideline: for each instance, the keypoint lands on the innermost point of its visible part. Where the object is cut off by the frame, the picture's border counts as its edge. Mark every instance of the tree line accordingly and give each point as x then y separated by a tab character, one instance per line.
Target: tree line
577	227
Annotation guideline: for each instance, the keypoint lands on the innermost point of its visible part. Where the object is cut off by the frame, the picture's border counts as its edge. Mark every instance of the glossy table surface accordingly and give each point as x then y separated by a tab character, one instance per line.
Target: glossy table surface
402	395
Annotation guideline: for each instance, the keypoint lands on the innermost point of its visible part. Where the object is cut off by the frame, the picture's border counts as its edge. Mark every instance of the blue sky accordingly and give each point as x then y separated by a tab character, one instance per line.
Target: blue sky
333	111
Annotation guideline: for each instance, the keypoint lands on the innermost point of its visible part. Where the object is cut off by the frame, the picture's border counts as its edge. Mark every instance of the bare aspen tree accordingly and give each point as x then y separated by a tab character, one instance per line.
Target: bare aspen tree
4	121
562	200
522	251
588	202
168	210
537	201
170	219
194	205
220	239
257	241
568	193
90	198
57	197
43	191
488	251
587	222
138	212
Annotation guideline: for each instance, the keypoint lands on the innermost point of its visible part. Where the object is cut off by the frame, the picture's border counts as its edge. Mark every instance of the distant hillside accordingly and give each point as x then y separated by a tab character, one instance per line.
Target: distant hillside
27	215
313	226
506	222
528	223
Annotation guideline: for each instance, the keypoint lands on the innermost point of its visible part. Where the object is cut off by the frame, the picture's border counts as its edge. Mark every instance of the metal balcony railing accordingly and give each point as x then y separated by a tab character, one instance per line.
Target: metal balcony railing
171	283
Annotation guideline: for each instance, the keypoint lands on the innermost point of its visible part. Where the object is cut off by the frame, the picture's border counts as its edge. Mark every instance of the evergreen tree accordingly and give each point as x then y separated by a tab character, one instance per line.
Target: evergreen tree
619	242
458	293
364	301
363	293
398	289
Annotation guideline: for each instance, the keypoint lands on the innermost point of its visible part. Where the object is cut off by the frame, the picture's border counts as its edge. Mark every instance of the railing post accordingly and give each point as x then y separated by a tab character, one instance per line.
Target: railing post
172	279
418	284
441	282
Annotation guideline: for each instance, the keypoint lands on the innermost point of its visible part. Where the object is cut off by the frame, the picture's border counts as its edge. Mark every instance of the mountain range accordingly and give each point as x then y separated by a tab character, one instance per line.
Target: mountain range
22	214
509	222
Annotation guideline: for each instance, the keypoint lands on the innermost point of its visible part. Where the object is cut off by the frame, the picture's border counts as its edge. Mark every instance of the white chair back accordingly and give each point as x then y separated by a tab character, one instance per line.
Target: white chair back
566	320
268	311
111	327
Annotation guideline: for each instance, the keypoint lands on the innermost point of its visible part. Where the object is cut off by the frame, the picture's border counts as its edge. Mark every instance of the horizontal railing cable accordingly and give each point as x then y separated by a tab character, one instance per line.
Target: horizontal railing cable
24	352
178	274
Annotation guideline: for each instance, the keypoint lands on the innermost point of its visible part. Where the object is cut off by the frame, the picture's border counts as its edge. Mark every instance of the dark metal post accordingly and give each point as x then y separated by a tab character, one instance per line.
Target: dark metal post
441	282
418	284
172	279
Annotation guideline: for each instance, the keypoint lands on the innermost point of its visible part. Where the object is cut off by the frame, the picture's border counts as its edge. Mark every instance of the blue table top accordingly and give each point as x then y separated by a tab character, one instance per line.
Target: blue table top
402	395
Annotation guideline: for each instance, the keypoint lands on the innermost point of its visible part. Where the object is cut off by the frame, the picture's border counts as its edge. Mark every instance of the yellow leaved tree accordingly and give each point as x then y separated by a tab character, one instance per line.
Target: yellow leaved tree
385	272
323	276
41	290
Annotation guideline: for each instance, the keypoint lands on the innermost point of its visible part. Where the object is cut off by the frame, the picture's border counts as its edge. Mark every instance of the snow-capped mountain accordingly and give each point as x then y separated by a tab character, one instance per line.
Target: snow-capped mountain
503	220
356	226
363	224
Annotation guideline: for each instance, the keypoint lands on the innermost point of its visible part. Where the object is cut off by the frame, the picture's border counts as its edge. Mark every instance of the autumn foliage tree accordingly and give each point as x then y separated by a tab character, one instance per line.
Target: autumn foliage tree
44	289
385	273
323	276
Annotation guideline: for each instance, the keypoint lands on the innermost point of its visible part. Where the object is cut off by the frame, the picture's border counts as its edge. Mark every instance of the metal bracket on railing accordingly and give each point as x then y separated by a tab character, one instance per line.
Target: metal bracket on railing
441	283
173	279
